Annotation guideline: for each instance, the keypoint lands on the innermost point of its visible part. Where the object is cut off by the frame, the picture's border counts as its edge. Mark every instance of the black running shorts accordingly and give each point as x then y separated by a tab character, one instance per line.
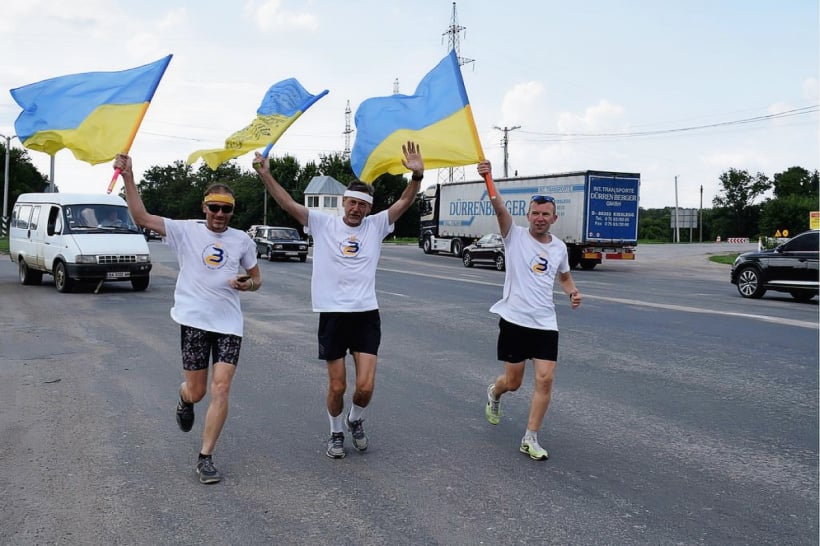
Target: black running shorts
519	343
355	332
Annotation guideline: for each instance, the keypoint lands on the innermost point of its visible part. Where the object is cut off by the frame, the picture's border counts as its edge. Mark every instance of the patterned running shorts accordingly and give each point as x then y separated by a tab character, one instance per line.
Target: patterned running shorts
198	346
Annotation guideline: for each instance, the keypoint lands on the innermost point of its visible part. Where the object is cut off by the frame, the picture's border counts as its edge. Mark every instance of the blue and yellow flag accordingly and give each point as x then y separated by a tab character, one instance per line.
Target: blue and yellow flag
95	114
282	105
437	117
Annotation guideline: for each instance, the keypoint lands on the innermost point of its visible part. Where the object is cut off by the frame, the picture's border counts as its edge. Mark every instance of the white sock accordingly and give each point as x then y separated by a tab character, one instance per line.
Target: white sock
337	422
531	435
356	413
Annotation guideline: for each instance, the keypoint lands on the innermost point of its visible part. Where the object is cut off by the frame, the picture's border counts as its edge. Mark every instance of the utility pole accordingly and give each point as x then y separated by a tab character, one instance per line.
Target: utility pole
677	224
4	225
700	220
505	140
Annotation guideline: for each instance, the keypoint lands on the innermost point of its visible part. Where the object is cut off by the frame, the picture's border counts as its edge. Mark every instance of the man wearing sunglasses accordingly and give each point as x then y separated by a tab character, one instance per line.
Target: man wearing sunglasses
216	263
528	328
346	252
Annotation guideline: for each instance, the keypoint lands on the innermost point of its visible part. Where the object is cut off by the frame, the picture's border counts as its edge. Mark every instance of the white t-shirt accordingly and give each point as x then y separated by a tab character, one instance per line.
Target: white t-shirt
345	260
528	284
203	297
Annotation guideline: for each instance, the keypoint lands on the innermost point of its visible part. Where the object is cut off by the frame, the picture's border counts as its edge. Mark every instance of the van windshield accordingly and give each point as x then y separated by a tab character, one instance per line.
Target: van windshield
94	218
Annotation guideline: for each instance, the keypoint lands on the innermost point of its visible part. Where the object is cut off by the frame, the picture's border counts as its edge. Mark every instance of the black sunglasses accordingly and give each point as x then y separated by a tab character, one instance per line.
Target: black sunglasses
541	199
227	209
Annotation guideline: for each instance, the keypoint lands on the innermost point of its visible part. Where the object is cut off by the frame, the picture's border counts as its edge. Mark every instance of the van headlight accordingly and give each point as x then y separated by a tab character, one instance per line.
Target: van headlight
143	258
85	259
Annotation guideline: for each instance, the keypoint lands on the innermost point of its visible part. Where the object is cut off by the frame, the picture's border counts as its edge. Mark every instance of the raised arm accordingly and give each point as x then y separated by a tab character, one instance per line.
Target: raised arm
261	165
414	162
132	196
503	216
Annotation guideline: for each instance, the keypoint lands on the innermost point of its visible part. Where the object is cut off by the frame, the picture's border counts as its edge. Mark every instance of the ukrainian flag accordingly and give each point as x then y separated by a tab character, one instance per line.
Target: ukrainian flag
95	114
437	117
282	105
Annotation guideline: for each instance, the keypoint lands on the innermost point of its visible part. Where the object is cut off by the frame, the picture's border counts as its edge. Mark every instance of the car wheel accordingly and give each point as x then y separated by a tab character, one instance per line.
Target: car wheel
499	262
574	258
802	295
748	283
139	284
588	265
303	257
427	245
467	258
457	247
27	276
62	281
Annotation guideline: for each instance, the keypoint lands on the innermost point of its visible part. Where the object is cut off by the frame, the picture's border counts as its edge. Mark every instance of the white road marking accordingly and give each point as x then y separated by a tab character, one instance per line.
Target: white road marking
671	307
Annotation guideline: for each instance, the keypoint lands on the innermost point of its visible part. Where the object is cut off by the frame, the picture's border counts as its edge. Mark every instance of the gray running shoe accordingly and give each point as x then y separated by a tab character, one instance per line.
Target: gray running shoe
493	409
207	471
336	446
357	431
185	413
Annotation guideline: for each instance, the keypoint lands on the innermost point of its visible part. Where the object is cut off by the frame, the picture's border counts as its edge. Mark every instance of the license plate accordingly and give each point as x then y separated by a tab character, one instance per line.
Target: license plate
117	274
291	253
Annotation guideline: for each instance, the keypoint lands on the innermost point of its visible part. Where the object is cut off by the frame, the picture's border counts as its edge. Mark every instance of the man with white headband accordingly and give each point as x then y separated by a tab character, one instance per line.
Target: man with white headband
216	263
346	252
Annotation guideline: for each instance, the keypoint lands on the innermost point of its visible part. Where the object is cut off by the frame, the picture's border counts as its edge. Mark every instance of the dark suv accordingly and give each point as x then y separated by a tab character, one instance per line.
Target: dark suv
488	250
279	242
791	267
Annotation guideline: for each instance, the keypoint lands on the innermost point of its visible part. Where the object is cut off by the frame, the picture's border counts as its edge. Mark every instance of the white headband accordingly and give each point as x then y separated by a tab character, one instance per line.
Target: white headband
360	195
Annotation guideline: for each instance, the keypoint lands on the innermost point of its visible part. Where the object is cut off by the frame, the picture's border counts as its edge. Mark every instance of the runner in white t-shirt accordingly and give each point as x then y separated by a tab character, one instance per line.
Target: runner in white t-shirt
527	326
216	262
346	253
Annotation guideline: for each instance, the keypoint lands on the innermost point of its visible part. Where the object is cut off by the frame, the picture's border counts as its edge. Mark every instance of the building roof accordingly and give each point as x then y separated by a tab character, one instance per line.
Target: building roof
324	185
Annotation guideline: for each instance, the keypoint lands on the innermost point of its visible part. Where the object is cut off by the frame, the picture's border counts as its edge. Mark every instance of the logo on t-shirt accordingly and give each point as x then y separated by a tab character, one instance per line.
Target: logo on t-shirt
539	264
349	247
214	256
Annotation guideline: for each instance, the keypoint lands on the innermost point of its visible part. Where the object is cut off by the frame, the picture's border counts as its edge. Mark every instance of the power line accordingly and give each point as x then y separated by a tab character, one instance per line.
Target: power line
628	134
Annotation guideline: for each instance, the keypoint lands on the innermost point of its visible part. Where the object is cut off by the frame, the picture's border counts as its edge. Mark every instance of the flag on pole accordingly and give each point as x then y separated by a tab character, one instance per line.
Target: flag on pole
438	117
95	114
281	106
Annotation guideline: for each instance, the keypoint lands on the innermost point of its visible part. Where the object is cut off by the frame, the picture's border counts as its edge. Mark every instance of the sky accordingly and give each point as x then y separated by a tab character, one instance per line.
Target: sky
679	91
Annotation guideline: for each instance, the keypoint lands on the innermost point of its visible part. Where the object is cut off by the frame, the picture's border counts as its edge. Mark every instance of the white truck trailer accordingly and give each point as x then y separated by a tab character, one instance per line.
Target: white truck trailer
597	213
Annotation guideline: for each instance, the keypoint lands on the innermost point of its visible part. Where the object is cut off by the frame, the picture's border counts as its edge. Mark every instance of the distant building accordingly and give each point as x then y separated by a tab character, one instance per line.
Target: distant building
324	193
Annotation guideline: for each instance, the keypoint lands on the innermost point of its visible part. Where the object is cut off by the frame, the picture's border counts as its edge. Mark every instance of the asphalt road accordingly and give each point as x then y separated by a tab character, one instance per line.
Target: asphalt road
682	414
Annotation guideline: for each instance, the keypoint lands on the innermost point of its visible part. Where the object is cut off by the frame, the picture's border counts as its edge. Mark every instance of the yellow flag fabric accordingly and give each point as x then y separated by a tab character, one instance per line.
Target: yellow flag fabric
282	105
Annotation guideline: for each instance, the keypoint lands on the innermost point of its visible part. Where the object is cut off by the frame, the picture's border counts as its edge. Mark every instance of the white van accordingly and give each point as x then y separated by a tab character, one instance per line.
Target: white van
77	237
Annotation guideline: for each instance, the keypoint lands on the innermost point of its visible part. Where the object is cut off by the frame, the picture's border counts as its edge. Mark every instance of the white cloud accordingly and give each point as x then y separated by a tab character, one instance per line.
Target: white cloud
269	15
602	117
810	89
522	103
173	19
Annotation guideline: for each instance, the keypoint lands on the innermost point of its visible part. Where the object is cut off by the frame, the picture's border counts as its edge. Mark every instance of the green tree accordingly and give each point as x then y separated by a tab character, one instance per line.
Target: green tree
736	214
795	181
23	175
786	213
653	224
795	195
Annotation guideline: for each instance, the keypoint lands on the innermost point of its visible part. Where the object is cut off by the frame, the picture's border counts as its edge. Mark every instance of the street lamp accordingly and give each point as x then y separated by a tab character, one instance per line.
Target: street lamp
6	184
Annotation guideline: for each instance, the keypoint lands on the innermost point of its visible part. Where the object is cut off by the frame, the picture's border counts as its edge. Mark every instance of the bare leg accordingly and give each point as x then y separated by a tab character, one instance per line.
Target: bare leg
510	380
542	392
336	385
365	378
218	409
